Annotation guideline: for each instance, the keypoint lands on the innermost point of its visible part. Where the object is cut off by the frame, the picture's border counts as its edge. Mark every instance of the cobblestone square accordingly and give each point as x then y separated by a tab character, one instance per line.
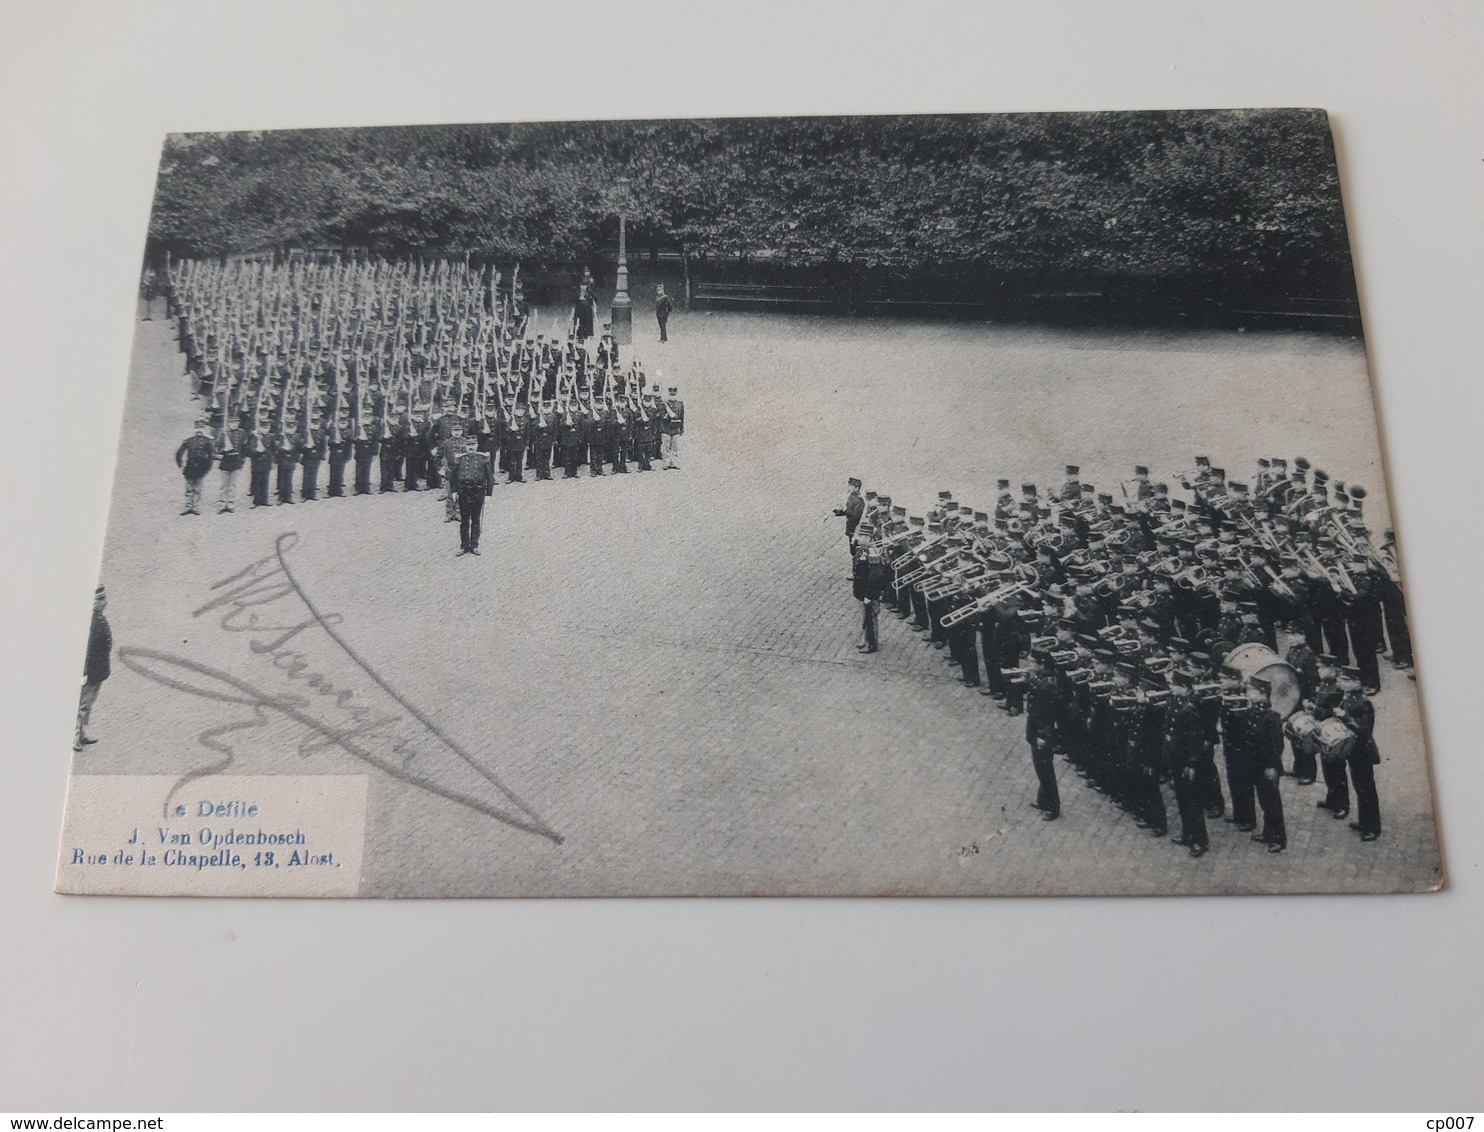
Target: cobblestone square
662	665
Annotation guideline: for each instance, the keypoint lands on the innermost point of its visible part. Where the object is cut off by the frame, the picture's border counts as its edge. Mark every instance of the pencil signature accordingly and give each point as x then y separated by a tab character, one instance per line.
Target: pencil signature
372	737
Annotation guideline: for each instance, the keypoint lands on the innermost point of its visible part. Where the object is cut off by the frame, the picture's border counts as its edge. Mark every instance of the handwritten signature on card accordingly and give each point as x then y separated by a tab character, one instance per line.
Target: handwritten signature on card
403	742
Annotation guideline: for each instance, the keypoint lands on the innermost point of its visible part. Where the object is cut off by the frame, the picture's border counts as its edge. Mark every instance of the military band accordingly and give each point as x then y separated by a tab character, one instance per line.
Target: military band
374	362
1140	635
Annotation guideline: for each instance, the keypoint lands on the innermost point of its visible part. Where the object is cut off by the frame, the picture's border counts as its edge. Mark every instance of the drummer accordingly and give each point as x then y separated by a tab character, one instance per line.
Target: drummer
1326	701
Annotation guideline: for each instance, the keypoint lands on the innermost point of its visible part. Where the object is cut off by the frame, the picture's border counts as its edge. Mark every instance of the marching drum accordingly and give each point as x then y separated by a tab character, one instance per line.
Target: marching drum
1335	740
1258	660
1303	729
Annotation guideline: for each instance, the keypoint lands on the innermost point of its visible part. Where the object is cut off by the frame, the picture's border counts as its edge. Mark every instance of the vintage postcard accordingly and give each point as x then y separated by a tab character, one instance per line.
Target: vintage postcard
944	505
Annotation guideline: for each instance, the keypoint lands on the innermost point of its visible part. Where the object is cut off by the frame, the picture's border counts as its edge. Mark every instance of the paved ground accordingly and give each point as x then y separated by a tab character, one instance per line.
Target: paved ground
662	665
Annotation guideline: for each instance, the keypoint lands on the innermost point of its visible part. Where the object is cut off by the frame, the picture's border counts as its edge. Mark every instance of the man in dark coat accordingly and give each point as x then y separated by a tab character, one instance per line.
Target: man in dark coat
1265	744
1185	750
854	508
570	428
584	314
314	447
96	668
1040	733
474	479
340	451
261	454
1359	714
663	307
365	447
862	587
194	458
286	457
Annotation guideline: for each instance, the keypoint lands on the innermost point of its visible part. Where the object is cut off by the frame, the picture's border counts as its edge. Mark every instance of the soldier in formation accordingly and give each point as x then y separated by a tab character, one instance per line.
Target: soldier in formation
1140	636
374	361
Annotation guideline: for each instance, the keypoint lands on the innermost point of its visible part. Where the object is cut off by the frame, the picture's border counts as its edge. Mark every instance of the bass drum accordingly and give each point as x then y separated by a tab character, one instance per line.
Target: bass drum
1258	660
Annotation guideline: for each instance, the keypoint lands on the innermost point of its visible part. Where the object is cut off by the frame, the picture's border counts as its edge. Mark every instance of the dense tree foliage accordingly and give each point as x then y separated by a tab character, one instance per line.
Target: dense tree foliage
1240	194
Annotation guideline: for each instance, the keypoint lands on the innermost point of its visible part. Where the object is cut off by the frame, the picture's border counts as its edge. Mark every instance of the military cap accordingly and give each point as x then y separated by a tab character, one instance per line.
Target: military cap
1073	470
1357	492
1203	461
853	482
898	512
1327	660
917	520
1350	672
935	526
1279	462
885	500
1028	489
870	495
673	391
1320	475
98	592
1104	497
1002	484
1140	470
981	516
1264	462
944	496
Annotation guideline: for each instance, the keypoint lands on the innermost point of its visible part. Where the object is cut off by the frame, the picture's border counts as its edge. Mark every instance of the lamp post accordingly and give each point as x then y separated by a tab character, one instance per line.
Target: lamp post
623	306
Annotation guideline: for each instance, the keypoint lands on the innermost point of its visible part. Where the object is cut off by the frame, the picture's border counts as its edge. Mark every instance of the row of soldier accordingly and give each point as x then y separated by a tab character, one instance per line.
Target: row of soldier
605	437
303	365
1092	616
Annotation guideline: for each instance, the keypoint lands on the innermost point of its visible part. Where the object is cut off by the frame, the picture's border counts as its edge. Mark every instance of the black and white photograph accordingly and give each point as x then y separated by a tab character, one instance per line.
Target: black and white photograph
877	505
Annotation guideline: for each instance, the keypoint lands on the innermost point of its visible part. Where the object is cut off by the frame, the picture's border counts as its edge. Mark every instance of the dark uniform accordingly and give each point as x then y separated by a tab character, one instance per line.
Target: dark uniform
1360	716
365	449
663	306
1185	741
286	457
475	477
260	452
339	451
514	437
543	435
599	429
1040	733
569	436
1265	735
315	449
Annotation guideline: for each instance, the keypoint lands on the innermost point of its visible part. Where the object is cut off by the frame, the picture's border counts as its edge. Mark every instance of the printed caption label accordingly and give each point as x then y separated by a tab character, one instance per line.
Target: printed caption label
224	835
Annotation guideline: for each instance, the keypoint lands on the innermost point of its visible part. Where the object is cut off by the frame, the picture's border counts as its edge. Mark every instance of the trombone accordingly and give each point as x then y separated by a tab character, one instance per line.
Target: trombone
978	605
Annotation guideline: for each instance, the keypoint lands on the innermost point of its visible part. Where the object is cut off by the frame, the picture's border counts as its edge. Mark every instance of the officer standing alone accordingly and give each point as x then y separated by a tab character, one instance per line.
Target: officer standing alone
475	477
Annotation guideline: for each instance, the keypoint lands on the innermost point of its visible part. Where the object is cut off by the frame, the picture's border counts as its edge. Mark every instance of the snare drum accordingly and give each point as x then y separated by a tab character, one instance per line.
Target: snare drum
1303	729
1335	740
